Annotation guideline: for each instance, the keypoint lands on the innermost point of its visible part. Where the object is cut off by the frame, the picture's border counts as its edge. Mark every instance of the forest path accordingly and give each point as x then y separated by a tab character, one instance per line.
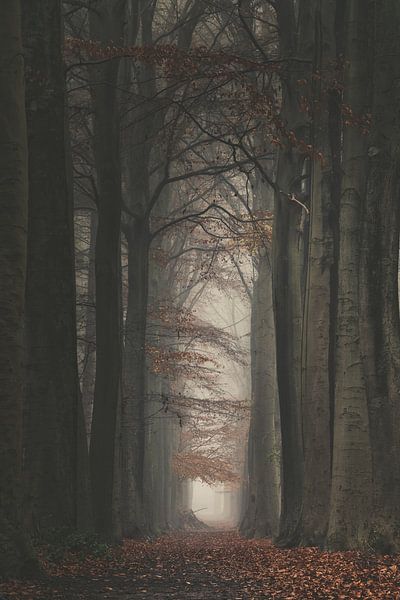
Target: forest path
218	565
184	566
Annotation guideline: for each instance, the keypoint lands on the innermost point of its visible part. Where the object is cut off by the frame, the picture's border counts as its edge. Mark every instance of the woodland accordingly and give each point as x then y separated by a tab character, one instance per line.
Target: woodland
199	260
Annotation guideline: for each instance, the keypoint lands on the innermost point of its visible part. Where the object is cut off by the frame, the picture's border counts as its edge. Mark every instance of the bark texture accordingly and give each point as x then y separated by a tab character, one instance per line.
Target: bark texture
289	242
380	333
351	497
262	514
320	301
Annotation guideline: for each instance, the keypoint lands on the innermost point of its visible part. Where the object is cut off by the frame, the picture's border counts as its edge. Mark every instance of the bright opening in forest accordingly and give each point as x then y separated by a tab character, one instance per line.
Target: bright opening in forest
217	505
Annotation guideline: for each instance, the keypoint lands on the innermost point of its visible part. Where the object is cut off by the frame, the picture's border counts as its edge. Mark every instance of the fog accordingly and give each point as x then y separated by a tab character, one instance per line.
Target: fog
214	504
218	504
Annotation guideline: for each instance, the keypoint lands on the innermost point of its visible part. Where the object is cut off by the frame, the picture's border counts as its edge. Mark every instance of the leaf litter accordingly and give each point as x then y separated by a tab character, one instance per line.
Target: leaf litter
217	565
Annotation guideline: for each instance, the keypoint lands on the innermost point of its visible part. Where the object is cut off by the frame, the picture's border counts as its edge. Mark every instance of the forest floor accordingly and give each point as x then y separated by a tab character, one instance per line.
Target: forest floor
213	565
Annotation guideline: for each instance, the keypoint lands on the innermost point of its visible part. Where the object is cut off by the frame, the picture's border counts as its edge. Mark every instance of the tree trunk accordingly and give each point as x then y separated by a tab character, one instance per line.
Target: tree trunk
287	274
320	301
351	497
263	471
289	241
263	501
89	374
52	390
134	388
106	26
153	474
15	557
380	333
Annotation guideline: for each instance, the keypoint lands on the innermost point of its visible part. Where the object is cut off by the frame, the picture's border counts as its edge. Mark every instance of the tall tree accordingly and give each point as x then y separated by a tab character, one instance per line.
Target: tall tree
53	405
262	515
15	558
379	277
365	483
351	498
145	192
289	240
106	20
320	296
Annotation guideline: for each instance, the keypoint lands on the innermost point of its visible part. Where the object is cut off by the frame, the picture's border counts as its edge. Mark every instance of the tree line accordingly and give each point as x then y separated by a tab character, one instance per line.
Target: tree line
333	268
104	361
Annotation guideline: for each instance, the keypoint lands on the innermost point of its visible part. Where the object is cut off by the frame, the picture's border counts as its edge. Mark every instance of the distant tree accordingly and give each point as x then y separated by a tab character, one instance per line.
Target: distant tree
146	174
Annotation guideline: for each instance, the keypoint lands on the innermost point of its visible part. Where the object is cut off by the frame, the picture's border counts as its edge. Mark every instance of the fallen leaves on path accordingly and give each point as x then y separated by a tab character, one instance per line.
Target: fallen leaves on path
214	565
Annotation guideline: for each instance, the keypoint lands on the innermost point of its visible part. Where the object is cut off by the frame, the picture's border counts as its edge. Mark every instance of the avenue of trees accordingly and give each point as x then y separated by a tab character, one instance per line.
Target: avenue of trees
162	161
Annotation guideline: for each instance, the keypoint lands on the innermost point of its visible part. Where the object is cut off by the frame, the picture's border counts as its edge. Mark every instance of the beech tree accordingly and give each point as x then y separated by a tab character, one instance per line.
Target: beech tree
289	244
328	233
379	268
363	510
15	556
106	26
351	451
263	504
54	421
317	393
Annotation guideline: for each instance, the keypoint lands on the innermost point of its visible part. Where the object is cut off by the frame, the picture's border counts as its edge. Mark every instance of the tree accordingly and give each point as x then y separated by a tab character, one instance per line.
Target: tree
380	329
15	558
365	475
263	503
289	242
351	471
54	419
106	27
318	373
145	190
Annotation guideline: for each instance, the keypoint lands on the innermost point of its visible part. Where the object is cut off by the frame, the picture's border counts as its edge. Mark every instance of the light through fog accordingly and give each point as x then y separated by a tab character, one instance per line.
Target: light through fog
218	504
213	504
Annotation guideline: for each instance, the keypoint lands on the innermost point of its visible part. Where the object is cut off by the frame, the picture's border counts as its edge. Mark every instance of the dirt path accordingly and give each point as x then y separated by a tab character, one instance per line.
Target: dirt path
217	566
